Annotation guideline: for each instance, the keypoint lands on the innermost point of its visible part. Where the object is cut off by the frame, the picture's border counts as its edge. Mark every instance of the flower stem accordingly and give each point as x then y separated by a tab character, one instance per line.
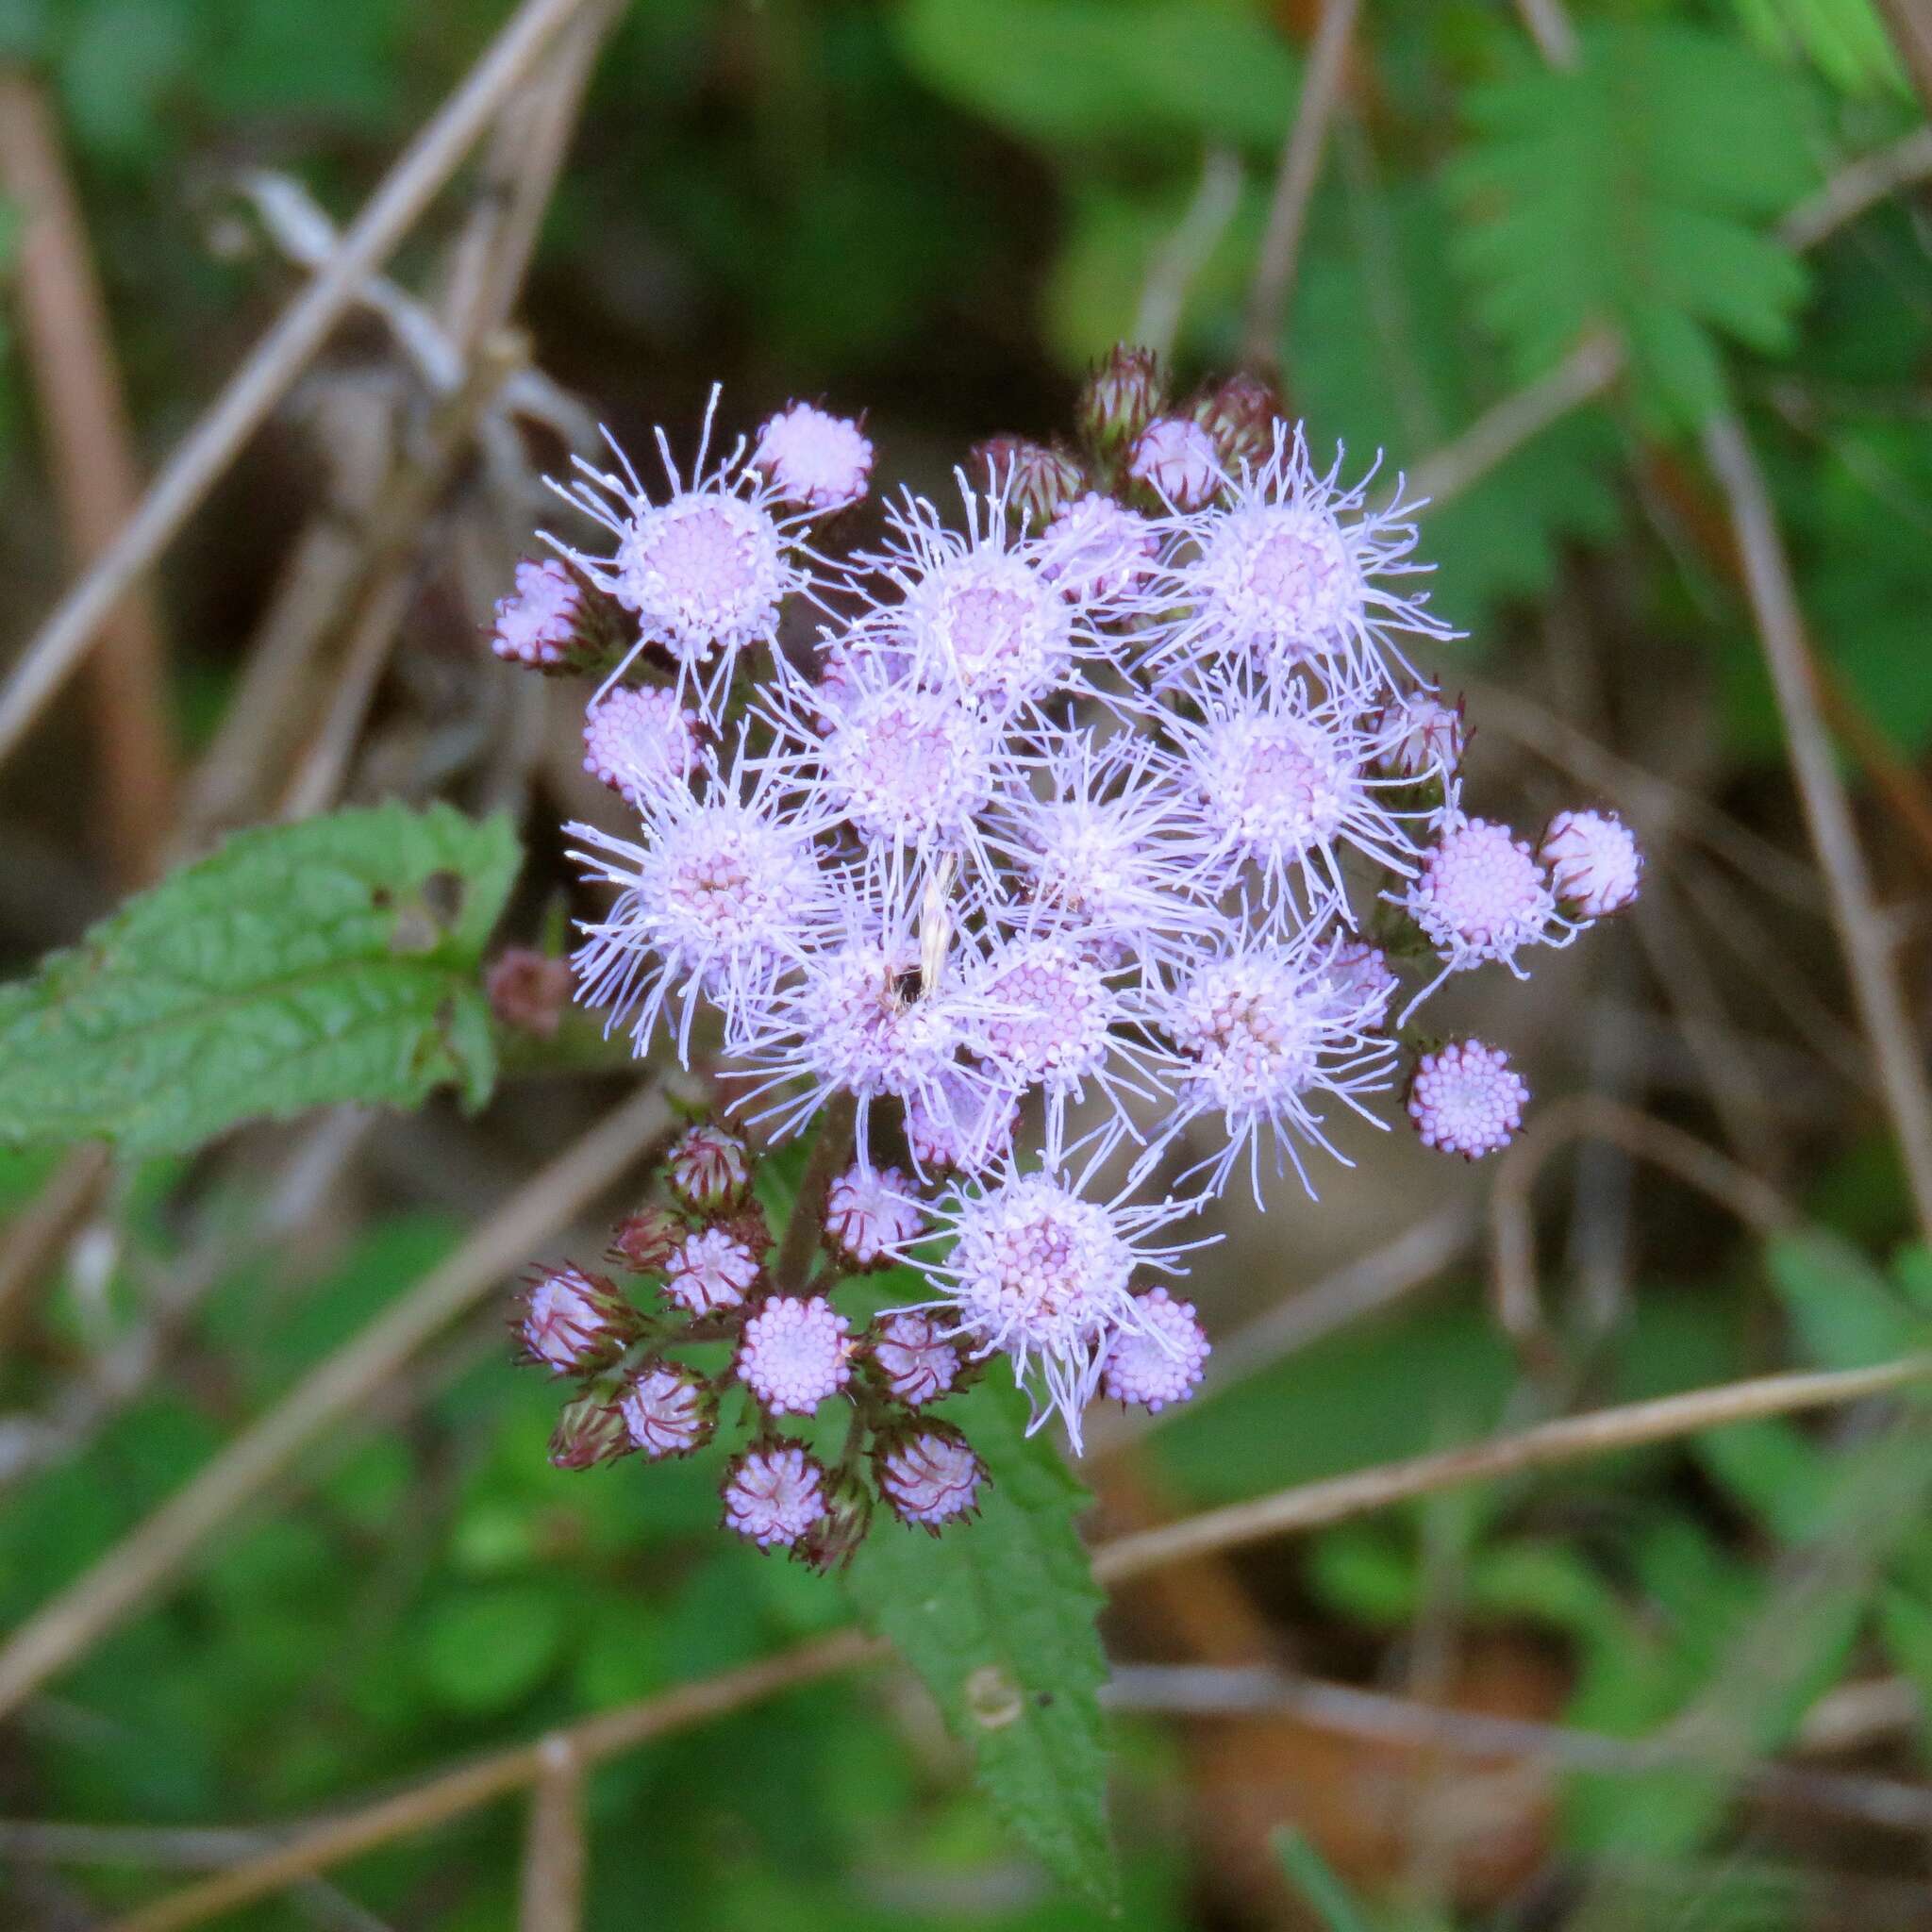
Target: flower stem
830	1146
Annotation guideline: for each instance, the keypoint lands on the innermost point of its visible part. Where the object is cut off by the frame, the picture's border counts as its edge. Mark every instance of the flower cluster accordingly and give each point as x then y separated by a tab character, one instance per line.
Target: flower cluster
1099	851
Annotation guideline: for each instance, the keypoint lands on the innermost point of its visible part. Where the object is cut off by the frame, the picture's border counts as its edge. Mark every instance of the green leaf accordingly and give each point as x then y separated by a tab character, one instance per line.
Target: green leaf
332	961
484	1649
1846	1314
1314	1879
1074	71
1623	193
1844	39
997	1616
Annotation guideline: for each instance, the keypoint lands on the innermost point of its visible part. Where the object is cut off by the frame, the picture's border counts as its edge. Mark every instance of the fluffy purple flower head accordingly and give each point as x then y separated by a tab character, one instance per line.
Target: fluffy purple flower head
704	571
1262	1035
712	1270
708	1167
871	1211
773	1495
537	625
818	462
1162	1362
1481	896
918	1364
1467	1099
795	1354
665	1412
635	740
1593	862
1041	1273
574	1323
1177	460
930	1476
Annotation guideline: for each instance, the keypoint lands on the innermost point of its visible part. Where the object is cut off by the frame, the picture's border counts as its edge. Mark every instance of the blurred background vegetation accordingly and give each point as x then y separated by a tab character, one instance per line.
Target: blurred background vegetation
940	211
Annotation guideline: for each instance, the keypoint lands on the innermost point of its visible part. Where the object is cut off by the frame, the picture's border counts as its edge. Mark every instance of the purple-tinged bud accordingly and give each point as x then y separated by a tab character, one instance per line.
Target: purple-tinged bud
916	1363
1160	1361
666	1411
637	739
572	1323
1035	481
555	622
1240	415
1593	862
588	1431
1178	462
819	461
1360	986
828	1544
707	1168
1420	737
775	1496
795	1354
1467	1099
868	1212
929	1476
711	1270
528	990
1125	391
644	1242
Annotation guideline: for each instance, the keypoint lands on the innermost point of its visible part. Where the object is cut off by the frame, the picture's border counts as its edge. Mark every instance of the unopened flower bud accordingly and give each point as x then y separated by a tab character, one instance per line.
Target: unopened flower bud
1593	862
571	1322
588	1431
1035	481
554	620
775	1496
644	1242
929	1476
1178	462
707	1168
913	1357
528	990
1125	391
666	1411
1159	1361
829	1543
1418	736
1467	1099
1239	415
819	461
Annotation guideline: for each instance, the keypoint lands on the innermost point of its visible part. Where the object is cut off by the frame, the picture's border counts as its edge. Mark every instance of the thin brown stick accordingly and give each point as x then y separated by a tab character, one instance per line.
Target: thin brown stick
130	1572
1186	250
1861	926
1570	1438
1910	23
69	360
256	388
550	1890
1859	185
40	1227
831	1148
1259	1692
1596	1117
1294	182
436	1801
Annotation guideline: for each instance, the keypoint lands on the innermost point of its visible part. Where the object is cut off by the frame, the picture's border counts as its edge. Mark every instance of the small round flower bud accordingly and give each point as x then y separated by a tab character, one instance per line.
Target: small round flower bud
644	1242
1177	460
574	1323
1480	894
665	1412
588	1431
819	461
1035	481
634	740
829	1543
795	1355
711	1270
773	1495
960	1125
1097	550
1467	1099
1239	415
1420	737
868	1212
1125	391
707	1168
1359	985
930	1476
553	621
1161	1360
916	1362
528	990
1593	860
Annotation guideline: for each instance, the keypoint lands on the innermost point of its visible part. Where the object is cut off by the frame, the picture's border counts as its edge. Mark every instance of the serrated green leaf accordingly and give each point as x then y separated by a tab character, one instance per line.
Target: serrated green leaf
332	961
1621	193
1081	70
998	1618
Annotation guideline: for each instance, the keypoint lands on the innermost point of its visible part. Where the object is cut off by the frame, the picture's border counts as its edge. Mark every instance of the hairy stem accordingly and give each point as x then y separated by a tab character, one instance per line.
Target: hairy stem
830	1148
